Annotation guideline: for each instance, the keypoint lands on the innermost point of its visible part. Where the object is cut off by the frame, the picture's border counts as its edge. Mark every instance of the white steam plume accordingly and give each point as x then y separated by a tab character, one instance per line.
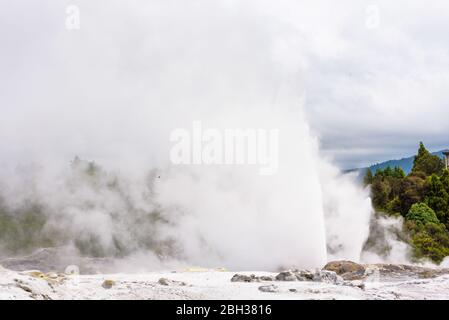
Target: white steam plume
113	91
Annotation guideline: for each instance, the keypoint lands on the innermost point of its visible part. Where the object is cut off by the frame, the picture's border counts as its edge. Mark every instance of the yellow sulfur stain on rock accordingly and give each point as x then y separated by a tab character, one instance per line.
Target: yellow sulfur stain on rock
50	277
108	284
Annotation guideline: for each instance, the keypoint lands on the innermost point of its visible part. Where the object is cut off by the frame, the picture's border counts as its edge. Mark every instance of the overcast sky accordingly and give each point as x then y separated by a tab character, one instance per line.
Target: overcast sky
375	74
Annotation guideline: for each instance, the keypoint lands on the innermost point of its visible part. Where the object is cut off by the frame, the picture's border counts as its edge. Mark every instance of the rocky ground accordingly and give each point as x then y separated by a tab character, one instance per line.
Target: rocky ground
337	280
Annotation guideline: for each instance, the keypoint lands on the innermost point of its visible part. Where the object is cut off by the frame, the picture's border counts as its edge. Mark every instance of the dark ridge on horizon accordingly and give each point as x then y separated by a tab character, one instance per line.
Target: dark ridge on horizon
405	164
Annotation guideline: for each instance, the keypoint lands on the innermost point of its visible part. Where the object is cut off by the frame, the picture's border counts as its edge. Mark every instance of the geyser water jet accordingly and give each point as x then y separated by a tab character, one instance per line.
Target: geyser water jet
114	90
234	216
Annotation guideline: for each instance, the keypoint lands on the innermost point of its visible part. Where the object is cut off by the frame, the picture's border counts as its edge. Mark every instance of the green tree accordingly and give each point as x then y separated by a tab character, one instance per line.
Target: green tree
388	172
380	191
437	197
411	190
421	213
386	186
379	173
445	180
394	206
398	173
430	240
426	162
368	179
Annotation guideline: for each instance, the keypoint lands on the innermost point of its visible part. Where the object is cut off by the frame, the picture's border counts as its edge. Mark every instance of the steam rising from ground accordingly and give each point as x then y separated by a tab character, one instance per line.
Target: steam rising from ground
114	90
387	242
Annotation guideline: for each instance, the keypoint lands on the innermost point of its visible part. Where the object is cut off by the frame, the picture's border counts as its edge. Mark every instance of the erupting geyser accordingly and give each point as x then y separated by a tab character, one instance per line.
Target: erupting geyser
116	99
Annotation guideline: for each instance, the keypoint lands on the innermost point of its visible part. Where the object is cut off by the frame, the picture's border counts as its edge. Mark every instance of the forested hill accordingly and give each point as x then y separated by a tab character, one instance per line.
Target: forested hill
420	197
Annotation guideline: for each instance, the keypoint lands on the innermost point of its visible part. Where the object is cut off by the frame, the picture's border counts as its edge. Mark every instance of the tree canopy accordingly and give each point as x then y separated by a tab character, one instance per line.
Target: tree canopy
422	213
421	198
426	162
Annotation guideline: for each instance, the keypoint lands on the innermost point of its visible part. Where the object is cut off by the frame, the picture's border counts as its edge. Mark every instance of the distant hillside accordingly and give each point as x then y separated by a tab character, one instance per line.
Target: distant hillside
405	163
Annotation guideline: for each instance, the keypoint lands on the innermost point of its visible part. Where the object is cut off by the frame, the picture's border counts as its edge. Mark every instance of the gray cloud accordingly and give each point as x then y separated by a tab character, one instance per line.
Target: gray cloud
377	92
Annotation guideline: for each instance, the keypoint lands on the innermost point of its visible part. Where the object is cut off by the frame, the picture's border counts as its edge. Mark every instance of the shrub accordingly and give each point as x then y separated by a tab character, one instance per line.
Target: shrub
421	213
431	241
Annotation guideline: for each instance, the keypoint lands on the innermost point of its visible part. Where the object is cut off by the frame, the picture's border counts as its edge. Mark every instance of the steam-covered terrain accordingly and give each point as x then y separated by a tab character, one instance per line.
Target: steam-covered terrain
156	136
374	282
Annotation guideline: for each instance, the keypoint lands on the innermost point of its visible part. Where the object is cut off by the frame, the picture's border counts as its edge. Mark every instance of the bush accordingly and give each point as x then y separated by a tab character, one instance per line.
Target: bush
421	213
431	241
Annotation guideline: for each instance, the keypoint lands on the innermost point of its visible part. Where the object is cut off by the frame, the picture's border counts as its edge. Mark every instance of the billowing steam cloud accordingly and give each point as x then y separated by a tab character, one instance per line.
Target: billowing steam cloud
114	90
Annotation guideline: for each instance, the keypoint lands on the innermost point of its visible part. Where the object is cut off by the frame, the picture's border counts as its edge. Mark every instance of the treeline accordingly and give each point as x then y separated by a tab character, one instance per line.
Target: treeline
421	198
89	192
